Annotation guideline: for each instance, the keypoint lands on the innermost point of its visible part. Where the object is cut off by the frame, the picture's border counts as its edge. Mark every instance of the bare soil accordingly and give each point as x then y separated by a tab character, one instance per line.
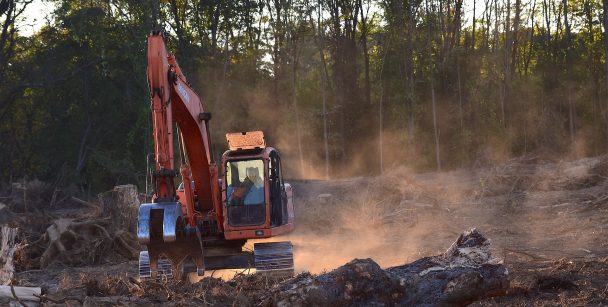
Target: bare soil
547	220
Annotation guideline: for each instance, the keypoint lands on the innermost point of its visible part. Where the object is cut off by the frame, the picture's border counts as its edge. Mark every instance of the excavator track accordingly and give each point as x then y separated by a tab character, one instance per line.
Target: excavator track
274	258
164	270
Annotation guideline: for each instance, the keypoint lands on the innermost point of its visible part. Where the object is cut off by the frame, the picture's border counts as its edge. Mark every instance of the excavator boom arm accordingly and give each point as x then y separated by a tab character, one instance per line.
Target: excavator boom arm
173	100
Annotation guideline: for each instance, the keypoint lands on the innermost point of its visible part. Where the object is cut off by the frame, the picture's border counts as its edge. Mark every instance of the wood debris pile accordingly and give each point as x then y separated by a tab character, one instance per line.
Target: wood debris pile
465	273
66	230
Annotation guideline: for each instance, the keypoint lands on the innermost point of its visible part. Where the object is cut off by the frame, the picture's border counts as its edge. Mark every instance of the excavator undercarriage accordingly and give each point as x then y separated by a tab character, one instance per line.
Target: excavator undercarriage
174	249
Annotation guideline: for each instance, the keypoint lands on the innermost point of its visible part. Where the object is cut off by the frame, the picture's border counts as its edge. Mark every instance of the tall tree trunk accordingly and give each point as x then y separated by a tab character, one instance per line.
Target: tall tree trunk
83	149
488	16
605	23
528	55
409	77
325	128
381	109
594	74
496	16
547	16
179	31
459	95
571	106
514	37
502	93
295	103
506	66
458	23
435	129
7	36
278	60
430	40
508	43
220	92
458	29
340	55
364	34
474	21
324	80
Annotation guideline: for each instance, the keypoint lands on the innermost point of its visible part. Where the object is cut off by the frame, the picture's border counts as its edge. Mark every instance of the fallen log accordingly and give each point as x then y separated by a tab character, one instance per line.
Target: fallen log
464	273
21	293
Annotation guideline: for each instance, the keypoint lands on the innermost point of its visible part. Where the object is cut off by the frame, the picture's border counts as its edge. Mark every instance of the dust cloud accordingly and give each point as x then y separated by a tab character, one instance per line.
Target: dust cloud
384	218
528	207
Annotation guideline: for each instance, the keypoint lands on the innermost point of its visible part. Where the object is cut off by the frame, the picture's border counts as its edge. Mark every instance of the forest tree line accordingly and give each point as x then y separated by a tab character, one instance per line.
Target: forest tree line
340	87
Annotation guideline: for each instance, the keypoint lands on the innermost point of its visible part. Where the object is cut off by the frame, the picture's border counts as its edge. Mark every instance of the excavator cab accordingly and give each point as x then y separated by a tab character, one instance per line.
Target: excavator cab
256	200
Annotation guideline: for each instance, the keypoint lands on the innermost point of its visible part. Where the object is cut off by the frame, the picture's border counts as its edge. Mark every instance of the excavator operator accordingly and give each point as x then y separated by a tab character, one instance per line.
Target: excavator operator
251	190
253	177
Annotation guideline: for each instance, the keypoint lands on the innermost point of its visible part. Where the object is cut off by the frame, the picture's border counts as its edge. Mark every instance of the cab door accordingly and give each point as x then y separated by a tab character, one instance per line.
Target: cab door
278	196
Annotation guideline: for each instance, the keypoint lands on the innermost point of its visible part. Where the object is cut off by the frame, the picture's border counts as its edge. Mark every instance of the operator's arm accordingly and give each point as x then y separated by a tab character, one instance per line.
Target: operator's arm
255	196
240	193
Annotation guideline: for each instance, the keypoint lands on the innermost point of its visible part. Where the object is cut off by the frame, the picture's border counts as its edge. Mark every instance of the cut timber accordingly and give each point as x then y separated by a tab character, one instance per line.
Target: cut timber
7	251
466	272
23	293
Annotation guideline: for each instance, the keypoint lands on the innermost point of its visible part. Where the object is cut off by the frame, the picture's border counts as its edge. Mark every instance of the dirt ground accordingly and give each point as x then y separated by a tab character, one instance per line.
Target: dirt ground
548	220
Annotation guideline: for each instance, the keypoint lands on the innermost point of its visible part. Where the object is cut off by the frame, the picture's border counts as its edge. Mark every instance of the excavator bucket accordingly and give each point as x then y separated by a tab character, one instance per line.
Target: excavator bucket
170	245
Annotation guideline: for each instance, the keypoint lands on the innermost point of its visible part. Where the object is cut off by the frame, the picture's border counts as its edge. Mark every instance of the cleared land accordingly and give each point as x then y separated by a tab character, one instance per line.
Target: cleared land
548	220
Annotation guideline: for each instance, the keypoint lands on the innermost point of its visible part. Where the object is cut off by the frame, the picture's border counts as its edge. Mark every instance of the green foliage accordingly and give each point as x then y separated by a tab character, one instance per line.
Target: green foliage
75	96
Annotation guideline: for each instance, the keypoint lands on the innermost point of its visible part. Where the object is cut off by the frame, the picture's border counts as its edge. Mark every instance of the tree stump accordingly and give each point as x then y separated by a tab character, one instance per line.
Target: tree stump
121	204
7	252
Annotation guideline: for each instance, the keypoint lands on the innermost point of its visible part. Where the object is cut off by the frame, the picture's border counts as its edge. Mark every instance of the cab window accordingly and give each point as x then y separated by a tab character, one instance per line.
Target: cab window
245	192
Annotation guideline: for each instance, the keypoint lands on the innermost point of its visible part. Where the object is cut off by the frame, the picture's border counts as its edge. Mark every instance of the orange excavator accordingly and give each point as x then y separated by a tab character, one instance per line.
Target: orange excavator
204	222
